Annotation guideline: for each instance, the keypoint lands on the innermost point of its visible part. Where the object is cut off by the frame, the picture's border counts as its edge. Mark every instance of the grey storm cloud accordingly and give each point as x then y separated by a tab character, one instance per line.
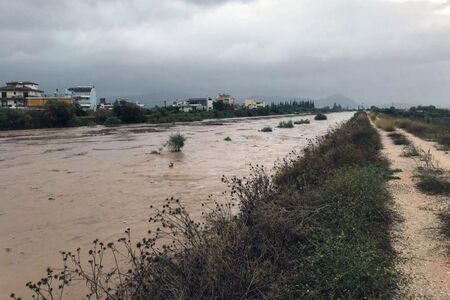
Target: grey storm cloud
375	51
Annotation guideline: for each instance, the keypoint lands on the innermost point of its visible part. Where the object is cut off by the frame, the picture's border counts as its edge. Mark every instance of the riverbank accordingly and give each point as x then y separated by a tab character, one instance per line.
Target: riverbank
318	228
60	115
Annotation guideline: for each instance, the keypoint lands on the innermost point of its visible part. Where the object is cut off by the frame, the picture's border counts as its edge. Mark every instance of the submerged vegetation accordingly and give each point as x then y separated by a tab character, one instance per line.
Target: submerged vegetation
176	142
286	124
266	129
317	228
302	121
320	117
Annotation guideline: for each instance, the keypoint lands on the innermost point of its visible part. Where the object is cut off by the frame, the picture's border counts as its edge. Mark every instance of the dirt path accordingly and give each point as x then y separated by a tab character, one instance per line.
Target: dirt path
422	251
442	157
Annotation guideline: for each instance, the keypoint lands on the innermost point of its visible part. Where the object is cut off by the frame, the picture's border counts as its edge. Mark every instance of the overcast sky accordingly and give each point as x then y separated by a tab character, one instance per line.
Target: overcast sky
376	51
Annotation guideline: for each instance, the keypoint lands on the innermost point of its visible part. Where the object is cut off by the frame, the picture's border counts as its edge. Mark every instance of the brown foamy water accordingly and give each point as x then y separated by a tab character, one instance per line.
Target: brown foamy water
62	188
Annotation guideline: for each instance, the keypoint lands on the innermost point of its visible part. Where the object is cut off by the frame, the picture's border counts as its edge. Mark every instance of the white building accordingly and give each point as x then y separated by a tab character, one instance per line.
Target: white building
194	104
14	94
85	96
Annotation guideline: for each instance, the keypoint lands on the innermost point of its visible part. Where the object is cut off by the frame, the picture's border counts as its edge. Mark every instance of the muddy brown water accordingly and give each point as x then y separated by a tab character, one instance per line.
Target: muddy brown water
62	188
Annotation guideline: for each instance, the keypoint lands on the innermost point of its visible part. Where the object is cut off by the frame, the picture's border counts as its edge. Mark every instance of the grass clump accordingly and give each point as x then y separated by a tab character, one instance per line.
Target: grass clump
318	227
432	179
176	142
302	121
385	124
434	185
399	138
227	139
266	129
410	151
320	117
286	124
112	121
444	140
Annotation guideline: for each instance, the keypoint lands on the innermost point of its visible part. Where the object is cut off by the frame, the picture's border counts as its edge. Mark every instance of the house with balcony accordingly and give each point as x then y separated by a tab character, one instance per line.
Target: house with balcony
85	96
194	104
15	93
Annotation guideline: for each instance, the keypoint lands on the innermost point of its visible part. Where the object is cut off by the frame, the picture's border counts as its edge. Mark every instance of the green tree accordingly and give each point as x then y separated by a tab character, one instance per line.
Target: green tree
129	112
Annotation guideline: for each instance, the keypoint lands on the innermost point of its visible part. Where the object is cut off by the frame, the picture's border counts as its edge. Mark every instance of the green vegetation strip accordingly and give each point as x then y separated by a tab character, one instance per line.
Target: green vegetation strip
318	228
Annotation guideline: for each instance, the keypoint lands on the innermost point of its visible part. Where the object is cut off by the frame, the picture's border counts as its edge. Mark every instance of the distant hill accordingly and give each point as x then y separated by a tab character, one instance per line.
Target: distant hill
338	99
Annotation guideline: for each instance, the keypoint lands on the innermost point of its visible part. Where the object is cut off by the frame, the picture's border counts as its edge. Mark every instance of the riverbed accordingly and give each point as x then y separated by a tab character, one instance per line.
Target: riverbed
62	188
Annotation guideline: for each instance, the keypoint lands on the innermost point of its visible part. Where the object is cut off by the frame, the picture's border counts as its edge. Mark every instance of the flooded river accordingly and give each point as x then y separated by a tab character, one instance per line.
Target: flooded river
62	188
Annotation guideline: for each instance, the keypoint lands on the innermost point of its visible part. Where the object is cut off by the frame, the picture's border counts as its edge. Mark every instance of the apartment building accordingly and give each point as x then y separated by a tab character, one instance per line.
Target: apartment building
85	96
15	93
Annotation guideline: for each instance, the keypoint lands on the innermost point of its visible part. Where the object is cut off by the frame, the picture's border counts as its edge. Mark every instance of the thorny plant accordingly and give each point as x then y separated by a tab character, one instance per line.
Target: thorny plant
427	166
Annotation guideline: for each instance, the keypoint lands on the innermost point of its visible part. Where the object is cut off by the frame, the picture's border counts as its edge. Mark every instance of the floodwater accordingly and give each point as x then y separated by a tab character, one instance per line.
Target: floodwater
62	188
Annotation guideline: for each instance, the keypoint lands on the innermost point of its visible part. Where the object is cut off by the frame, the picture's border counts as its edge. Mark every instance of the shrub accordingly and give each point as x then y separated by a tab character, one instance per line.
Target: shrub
445	227
444	140
112	121
399	138
373	115
417	128
433	185
227	139
60	114
410	150
320	117
101	115
176	142
266	129
385	124
302	121
286	124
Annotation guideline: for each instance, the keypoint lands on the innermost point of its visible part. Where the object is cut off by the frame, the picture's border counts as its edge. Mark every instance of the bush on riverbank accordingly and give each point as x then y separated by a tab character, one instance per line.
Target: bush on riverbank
318	228
112	121
54	114
129	112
